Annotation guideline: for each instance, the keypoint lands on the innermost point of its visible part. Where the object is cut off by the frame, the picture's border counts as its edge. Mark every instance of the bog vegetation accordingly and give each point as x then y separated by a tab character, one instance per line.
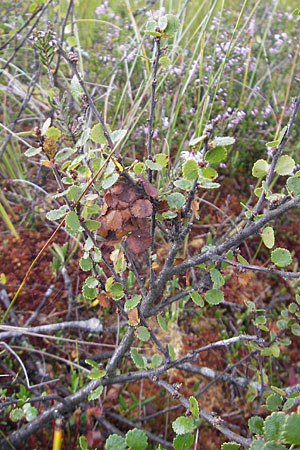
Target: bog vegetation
150	192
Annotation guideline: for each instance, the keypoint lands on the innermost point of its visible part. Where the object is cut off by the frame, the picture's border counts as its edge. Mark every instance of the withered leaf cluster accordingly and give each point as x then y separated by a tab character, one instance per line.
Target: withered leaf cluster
125	212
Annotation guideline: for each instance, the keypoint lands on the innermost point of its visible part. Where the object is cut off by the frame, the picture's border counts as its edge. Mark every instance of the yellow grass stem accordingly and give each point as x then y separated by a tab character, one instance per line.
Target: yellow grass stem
57	435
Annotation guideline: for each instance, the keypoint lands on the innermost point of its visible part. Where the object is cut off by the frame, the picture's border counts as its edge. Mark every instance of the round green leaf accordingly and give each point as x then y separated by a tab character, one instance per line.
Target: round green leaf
91	282
273	402
96	373
72	221
183	425
56	214
133	301
169	215
97	255
92	225
268	237
256	424
162	322
197	298
195	141
216	277
53	133
64	153
183	184
156	360
272	445
32	151
136	439
190	170
215	155
291	429
260	168
281	257
83	139
83	443
173	24
16	414
273	426
208	172
214	296
164	61
183	441
153	165
45	126
97	135
176	200
257	445
110	180
151	25
137	358
86	264
139	168
162	159
207	184
295	329
293	184
118	135
89	293
285	165
117	291
163	22
225	140
94	395
194	407
143	334
115	442
230	446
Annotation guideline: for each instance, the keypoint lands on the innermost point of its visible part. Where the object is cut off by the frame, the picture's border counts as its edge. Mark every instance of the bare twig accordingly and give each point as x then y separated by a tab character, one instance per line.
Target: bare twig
92	325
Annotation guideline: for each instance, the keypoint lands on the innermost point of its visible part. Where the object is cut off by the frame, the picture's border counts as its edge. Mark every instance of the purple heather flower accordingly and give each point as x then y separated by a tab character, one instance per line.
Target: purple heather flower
186	156
101	9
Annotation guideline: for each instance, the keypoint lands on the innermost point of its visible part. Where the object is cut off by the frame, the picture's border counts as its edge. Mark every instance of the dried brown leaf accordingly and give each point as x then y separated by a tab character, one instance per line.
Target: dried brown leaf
116	189
139	241
128	195
133	317
113	220
141	208
103	300
150	189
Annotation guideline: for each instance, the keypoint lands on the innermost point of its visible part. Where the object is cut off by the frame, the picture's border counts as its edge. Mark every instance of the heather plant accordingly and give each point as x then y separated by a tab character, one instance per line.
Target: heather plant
129	176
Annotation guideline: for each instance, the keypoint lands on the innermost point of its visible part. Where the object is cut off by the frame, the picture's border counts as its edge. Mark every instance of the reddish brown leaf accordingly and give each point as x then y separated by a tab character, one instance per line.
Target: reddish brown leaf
128	195
141	208
150	189
125	213
104	209
102	232
111	200
178	261
113	220
139	241
133	317
122	205
162	206
195	208
116	189
121	233
128	226
111	240
103	301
